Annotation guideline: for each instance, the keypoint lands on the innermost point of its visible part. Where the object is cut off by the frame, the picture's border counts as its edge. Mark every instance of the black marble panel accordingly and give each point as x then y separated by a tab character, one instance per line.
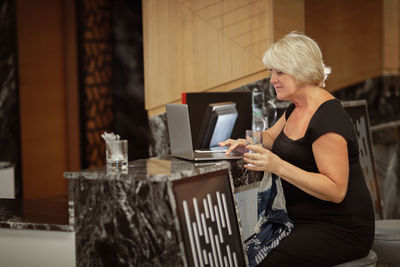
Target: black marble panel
128	77
124	223
128	218
9	107
382	94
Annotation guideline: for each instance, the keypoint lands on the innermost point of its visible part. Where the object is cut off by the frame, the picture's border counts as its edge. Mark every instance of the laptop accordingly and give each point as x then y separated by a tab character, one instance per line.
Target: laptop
181	138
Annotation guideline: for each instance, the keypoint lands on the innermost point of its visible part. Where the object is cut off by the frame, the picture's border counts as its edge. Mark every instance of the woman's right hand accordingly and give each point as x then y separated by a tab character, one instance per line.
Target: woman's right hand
238	144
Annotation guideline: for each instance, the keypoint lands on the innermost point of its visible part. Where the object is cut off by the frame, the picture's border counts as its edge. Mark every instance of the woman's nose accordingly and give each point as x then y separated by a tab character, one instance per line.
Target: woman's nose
273	78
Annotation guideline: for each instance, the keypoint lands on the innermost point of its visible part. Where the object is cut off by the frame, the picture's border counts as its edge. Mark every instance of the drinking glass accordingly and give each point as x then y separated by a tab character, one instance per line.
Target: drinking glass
253	138
117	155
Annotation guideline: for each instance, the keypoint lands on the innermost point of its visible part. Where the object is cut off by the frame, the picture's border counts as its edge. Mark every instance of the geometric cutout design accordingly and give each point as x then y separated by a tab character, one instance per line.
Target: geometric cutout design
96	95
208	221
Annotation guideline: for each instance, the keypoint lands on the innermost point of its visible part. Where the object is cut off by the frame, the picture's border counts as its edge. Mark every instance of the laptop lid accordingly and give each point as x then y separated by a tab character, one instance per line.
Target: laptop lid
181	139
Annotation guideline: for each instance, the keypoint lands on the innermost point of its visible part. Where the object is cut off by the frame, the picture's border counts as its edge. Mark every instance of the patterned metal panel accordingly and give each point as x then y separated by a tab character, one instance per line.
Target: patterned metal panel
96	97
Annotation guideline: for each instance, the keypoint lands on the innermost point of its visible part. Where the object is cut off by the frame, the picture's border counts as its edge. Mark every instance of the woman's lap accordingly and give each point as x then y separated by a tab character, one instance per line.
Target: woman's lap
314	245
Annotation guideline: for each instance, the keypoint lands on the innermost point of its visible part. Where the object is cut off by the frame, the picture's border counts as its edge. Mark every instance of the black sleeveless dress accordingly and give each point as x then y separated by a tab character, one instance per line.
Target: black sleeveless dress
325	233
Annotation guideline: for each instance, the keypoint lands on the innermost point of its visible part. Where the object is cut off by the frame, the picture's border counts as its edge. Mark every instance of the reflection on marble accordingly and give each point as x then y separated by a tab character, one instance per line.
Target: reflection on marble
159	142
41	214
9	109
242	177
387	159
129	218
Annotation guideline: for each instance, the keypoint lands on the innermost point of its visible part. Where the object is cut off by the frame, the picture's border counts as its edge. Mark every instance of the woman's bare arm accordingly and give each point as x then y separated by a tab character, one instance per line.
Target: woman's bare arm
271	133
331	157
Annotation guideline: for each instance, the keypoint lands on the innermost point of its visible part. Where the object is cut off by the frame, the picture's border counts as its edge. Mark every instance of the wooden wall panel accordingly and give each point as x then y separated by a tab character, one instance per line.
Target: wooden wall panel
43	96
71	86
350	36
289	15
391	44
185	51
207	45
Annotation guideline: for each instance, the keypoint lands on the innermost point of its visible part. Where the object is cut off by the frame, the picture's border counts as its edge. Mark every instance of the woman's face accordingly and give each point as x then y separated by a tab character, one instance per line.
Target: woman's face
285	85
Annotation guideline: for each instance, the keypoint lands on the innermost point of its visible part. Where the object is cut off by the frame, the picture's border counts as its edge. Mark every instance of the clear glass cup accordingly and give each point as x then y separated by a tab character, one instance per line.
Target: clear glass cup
117	155
253	138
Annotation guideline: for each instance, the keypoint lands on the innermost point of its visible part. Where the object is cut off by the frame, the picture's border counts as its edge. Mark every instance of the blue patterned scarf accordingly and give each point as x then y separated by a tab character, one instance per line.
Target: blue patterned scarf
273	222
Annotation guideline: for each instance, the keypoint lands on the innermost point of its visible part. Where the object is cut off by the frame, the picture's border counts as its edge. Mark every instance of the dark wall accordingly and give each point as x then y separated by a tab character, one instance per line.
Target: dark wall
128	77
9	103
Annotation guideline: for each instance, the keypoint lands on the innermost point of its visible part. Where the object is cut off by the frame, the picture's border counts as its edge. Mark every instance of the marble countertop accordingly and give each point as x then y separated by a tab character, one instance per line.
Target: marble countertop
152	169
168	167
38	214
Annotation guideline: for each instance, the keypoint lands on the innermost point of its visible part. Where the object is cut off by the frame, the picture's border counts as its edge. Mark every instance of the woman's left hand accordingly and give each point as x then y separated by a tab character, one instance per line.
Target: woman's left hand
261	159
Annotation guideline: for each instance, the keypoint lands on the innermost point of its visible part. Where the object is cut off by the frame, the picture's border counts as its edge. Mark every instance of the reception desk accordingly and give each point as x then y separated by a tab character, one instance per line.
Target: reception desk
159	212
141	217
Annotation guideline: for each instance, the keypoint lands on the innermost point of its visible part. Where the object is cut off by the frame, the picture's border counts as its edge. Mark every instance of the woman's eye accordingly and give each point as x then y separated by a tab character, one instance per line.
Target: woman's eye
279	72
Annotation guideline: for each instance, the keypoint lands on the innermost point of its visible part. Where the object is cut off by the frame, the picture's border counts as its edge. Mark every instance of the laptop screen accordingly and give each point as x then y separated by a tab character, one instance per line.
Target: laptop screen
223	128
217	124
208	220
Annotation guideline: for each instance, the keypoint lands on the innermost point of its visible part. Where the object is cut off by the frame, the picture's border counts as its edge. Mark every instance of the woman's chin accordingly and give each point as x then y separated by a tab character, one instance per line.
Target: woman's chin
280	97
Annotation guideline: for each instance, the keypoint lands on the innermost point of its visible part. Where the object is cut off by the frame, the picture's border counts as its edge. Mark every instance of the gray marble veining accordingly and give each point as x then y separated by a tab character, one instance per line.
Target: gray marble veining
129	218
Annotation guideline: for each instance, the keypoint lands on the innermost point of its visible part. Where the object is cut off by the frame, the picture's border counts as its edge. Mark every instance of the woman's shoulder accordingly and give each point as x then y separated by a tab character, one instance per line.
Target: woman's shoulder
331	117
330	109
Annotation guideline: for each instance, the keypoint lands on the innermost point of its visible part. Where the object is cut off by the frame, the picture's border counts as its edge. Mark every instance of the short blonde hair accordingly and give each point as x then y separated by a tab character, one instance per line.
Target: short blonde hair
299	56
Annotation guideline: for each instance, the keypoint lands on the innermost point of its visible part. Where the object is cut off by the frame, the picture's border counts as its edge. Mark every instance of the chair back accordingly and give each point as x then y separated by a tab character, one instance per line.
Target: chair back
358	113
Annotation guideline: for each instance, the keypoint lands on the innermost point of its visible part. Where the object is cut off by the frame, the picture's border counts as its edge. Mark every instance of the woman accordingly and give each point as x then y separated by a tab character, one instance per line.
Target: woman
313	148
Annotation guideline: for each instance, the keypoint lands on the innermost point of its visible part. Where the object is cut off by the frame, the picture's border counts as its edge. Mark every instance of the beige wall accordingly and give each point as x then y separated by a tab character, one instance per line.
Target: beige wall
350	36
200	45
210	45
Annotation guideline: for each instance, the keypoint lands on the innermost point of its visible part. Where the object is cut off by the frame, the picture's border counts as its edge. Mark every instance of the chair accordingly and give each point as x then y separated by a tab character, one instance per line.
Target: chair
387	241
387	232
368	261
